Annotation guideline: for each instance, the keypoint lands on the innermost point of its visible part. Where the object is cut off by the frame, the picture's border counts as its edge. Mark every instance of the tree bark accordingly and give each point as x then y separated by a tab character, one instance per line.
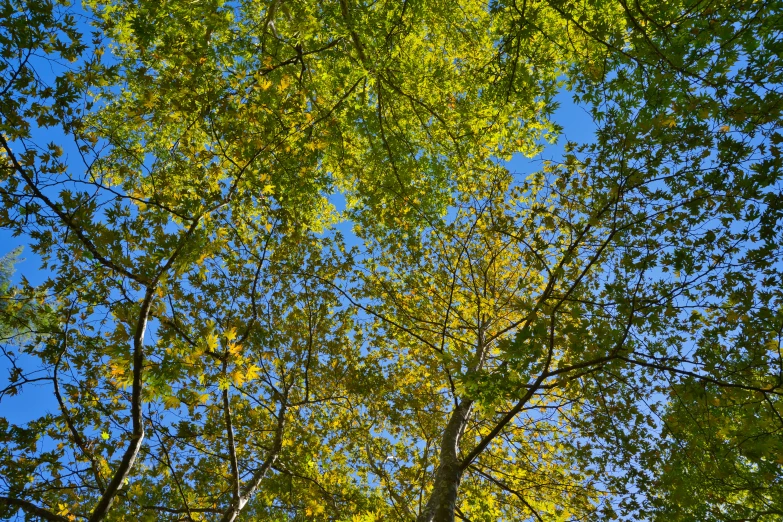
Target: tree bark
443	499
101	511
239	504
32	509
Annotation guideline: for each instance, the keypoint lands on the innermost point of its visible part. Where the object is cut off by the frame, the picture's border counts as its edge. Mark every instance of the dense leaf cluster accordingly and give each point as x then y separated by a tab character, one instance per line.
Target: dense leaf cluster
288	274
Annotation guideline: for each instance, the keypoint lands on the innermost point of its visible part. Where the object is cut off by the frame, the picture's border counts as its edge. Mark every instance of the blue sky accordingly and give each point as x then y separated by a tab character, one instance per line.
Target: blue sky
36	400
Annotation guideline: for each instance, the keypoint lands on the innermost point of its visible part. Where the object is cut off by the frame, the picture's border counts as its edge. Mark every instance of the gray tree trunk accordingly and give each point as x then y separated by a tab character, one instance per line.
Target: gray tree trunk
443	499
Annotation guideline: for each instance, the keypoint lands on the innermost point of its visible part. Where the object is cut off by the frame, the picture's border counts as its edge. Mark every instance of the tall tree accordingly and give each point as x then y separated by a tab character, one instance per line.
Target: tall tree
599	338
674	257
206	140
486	408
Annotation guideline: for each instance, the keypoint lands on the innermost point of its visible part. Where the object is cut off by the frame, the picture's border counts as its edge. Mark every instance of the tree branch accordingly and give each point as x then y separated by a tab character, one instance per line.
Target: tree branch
29	507
705	378
232	452
67	220
233	512
137	435
77	438
504	487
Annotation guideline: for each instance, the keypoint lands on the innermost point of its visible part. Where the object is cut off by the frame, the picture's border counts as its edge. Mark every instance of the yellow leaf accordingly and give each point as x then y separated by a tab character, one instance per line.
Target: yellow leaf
669	121
252	372
171	402
237	377
230	334
212	341
117	372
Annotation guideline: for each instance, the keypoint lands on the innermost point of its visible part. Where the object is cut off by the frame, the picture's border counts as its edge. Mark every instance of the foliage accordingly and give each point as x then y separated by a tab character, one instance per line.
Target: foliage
599	338
7	268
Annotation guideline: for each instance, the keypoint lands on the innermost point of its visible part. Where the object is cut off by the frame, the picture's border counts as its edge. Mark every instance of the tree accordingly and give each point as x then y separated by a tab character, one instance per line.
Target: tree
667	186
597	339
488	322
701	143
196	150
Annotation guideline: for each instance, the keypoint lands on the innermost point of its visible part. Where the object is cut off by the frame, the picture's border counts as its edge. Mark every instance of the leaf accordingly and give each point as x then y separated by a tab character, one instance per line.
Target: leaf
252	372
171	402
211	341
318	236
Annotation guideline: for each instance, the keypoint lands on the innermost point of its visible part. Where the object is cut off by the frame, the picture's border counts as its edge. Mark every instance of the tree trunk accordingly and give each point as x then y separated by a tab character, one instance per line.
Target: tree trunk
443	499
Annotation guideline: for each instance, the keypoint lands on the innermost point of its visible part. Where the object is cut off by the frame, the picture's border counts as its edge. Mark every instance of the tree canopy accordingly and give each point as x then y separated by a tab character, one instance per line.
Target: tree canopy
291	271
